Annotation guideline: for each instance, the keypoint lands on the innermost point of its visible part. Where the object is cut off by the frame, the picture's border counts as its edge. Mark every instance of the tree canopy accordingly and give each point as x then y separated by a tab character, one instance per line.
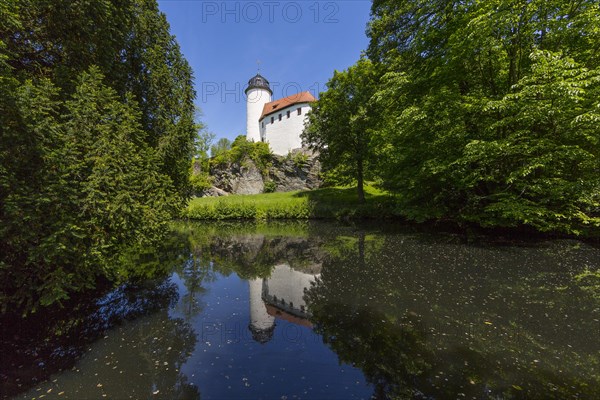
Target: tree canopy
341	125
483	111
96	137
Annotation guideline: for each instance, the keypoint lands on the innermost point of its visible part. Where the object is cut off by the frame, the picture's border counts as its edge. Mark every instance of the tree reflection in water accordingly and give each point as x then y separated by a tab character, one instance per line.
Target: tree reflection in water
107	342
428	316
421	315
389	350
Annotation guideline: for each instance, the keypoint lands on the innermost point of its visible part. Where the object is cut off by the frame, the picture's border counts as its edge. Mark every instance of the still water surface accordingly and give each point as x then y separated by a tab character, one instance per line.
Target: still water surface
325	311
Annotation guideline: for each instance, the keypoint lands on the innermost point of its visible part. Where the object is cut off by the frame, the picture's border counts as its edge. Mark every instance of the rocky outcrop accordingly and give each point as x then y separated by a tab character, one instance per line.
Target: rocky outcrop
297	171
236	178
214	191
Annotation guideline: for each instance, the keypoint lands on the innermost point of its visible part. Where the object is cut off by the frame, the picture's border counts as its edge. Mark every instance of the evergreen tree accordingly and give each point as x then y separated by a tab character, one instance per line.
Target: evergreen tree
129	41
97	134
95	190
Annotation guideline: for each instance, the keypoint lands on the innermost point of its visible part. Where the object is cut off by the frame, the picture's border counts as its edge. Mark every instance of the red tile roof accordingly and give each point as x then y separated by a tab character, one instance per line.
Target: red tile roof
281	314
274	106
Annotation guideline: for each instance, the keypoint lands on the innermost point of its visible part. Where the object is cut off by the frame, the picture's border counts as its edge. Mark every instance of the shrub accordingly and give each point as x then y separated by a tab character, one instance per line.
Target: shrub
241	149
200	179
299	159
270	187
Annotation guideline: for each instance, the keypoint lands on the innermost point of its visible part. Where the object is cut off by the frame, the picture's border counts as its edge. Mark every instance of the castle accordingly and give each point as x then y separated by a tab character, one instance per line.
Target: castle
280	297
278	123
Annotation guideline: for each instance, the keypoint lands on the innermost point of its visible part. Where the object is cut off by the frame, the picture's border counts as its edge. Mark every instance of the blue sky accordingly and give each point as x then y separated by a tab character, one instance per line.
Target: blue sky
299	45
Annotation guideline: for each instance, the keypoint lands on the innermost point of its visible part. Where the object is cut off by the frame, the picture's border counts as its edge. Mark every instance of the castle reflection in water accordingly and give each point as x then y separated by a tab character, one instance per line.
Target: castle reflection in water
281	296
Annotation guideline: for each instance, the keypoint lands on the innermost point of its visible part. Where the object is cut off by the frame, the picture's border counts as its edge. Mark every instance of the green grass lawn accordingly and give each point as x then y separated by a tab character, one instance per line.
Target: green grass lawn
337	202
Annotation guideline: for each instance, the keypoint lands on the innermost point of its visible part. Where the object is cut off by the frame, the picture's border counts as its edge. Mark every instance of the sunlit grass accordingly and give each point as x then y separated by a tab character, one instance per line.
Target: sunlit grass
337	202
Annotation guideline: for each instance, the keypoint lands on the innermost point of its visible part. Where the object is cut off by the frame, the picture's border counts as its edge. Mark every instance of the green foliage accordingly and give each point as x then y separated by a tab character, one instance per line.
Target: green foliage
340	125
129	41
298	158
270	187
95	190
202	142
483	111
222	146
249	207
542	149
241	149
338	203
96	136
259	152
200	178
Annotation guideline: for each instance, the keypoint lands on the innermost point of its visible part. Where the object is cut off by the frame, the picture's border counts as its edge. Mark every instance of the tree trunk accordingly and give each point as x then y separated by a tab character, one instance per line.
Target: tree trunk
361	248
360	185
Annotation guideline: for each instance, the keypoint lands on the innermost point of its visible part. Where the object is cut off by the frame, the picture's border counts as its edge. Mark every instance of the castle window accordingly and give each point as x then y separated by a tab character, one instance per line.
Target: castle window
288	114
299	110
280	117
263	124
272	120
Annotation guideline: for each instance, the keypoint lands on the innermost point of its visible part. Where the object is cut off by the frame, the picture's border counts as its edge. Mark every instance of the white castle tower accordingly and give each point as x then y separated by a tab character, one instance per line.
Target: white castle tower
261	323
258	94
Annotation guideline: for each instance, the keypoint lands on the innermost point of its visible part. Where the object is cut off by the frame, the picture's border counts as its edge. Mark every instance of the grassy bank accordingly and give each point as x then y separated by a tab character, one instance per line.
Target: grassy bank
319	203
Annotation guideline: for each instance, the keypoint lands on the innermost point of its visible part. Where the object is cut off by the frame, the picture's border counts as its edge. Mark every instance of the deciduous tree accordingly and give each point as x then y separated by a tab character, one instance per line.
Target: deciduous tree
341	125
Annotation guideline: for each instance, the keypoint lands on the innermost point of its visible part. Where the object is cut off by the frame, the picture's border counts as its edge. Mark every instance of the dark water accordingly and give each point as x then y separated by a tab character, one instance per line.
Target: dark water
321	310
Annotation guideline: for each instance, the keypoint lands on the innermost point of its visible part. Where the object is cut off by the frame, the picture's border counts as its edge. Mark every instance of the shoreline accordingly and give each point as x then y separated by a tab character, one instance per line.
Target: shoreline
339	204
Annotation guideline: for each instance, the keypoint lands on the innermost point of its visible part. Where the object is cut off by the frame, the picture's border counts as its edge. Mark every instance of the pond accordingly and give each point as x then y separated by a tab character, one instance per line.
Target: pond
323	310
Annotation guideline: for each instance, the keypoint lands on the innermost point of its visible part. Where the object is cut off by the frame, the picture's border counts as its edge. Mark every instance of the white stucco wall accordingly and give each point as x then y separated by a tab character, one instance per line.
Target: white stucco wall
259	318
284	135
288	284
255	100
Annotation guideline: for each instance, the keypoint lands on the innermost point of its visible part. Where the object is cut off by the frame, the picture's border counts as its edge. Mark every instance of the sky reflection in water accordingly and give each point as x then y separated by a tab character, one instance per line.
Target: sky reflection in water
322	310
